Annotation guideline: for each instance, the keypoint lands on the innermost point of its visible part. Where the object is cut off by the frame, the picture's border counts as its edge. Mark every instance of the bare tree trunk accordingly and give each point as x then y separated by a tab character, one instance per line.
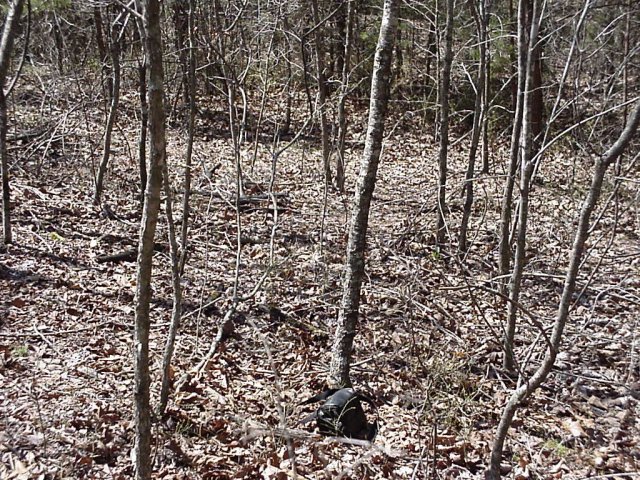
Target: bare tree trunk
286	123
507	197
305	74
443	101
113	111
191	82
6	45
102	52
480	17
526	170
487	88
176	311
157	160
322	92
6	193
180	25
354	268
179	253
537	98
144	123
58	41
344	90
526	388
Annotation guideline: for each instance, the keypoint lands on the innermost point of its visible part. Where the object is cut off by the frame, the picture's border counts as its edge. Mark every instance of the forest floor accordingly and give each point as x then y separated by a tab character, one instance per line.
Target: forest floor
427	348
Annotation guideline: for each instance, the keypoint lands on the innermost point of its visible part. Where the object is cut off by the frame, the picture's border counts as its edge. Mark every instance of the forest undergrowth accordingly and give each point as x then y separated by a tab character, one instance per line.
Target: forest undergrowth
428	345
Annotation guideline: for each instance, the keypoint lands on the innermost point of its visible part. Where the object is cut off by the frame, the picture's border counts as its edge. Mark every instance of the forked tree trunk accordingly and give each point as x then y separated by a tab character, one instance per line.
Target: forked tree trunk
527	387
157	160
354	268
443	101
6	45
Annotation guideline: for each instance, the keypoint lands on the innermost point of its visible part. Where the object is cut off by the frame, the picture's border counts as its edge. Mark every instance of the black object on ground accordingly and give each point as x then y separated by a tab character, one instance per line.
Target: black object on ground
342	414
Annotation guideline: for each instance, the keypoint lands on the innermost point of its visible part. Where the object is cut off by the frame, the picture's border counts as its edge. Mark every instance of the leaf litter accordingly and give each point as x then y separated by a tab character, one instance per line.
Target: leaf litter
425	348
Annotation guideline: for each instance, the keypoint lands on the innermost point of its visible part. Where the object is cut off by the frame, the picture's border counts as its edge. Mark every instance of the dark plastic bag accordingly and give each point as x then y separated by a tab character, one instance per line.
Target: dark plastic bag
342	414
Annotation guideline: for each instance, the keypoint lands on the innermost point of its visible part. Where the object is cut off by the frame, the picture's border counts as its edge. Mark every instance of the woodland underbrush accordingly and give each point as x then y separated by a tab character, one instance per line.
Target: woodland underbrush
428	344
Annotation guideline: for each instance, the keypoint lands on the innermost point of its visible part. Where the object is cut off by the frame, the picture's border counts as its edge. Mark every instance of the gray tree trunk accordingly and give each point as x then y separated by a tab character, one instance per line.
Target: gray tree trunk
527	165
179	253
507	197
344	89
481	19
354	268
322	91
113	111
6	45
582	234
443	101
144	124
157	160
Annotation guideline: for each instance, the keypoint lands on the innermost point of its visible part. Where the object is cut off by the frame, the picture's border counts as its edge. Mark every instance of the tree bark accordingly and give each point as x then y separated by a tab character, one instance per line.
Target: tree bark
507	197
157	160
144	123
582	234
344	89
322	91
480	17
6	46
526	148
354	268
102	52
113	111
179	253
443	101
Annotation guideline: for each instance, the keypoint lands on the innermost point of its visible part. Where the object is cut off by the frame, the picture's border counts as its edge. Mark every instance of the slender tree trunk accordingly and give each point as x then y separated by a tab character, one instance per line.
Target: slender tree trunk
526	170
103	53
6	46
478	114
322	91
286	123
445	80
180	25
111	118
58	42
176	311
344	89
399	58
537	98
144	122
305	74
526	388
507	197
487	87
157	160
354	268
6	193
338	41
191	82
144	109
179	252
